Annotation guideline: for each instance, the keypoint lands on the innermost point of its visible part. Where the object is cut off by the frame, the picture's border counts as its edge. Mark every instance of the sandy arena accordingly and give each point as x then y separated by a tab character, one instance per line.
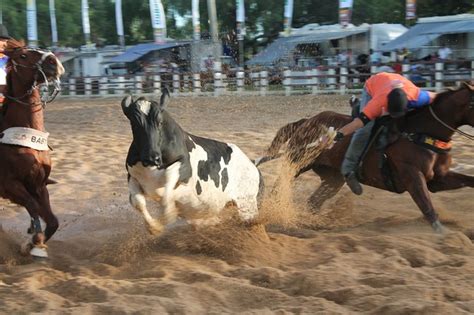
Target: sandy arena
372	254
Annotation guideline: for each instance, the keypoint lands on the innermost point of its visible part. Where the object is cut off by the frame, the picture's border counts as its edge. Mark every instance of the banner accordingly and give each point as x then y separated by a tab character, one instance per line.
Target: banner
240	18
345	12
288	16
158	20
31	23
54	28
86	27
196	20
119	22
410	10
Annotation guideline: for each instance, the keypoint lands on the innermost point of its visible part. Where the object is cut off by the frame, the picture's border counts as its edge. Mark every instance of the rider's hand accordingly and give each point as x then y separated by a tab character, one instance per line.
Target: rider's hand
339	136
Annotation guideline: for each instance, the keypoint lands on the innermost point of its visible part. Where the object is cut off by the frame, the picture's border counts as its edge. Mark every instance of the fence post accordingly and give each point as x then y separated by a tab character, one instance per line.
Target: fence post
186	83
331	78
217	83
343	72
72	86
103	86
287	81
176	83
121	85
406	70
314	81
373	69
156	82
263	82
439	76
197	82
87	86
240	81
138	84
472	72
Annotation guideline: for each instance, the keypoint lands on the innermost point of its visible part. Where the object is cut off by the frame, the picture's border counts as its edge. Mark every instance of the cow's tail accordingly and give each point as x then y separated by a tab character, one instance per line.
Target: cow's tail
282	136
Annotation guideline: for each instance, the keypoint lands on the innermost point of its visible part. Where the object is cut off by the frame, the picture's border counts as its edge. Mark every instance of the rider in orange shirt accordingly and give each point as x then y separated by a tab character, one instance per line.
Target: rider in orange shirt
384	94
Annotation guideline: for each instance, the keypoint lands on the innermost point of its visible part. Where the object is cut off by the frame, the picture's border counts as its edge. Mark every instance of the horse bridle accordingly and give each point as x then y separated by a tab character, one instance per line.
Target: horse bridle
39	69
462	133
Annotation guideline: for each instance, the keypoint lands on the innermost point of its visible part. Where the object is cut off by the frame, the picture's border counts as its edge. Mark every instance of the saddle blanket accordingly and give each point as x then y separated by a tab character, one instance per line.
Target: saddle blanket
25	137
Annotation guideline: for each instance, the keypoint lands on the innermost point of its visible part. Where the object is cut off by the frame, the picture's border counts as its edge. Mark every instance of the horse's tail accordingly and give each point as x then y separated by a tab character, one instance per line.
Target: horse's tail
282	136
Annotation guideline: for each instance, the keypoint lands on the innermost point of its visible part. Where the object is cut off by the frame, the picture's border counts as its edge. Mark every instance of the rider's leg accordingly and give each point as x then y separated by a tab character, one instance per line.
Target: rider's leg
356	148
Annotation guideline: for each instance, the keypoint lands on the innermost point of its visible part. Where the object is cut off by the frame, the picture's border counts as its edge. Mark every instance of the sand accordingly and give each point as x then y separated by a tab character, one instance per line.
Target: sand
362	254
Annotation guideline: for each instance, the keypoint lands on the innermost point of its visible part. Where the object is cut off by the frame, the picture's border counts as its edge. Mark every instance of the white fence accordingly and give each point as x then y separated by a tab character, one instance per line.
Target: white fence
435	76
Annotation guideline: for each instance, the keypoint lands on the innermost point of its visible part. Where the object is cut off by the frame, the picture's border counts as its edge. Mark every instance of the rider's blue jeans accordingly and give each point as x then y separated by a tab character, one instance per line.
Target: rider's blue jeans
359	141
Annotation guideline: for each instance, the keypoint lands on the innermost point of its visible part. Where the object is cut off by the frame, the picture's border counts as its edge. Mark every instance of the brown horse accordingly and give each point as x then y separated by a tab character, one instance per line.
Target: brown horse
414	168
24	171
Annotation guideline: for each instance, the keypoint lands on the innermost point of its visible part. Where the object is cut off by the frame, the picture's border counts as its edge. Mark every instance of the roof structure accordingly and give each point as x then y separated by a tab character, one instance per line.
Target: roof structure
428	29
141	50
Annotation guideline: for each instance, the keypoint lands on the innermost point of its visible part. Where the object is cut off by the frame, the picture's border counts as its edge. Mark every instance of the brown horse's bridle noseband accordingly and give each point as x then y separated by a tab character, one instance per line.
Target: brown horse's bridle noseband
39	69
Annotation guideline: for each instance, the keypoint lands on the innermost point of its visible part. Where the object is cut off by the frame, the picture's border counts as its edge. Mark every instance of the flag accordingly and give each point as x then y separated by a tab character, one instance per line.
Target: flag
288	16
31	23
410	10
345	12
54	28
119	22
196	20
158	20
86	27
240	18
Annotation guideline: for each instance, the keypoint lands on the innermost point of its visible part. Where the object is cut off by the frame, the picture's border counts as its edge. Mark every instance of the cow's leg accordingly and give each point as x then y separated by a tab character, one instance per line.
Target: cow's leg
248	208
18	194
416	185
451	180
167	202
331	183
138	201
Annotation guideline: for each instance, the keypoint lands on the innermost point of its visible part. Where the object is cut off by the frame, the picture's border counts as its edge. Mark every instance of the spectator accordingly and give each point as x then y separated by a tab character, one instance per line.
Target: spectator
444	52
374	57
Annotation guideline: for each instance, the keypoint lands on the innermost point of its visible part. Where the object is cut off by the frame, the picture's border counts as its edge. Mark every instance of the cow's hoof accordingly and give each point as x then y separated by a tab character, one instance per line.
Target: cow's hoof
439	228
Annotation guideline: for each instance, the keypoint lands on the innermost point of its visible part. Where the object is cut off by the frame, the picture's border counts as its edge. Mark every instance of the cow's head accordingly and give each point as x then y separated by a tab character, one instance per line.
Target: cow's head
146	119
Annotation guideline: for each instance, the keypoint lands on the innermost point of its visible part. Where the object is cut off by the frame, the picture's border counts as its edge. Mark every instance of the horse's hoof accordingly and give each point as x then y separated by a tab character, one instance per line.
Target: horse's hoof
39	252
26	248
438	227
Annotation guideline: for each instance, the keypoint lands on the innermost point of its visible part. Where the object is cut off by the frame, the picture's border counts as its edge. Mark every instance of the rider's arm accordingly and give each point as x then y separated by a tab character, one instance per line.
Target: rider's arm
351	127
372	110
424	98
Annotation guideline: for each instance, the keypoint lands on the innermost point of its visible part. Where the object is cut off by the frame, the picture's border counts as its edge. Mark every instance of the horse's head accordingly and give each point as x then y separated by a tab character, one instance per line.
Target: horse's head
459	104
32	66
147	121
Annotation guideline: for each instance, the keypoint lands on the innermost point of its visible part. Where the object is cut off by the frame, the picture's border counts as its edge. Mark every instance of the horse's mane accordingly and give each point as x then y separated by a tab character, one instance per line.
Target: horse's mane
13	44
450	91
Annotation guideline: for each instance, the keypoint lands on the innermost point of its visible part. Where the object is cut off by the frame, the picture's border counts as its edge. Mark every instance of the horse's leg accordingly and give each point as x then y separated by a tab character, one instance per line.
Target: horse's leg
46	214
18	194
450	181
138	201
331	182
415	184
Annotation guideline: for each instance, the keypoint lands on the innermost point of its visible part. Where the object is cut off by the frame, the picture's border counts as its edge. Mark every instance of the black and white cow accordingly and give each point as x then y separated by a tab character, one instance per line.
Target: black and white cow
189	176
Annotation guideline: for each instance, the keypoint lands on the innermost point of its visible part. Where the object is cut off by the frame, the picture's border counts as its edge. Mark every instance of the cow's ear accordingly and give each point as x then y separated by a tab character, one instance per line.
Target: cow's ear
126	102
165	97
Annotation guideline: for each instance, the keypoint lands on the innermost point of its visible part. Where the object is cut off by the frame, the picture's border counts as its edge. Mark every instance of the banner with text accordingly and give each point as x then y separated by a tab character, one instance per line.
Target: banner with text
196	20
86	27
288	16
54	28
411	10
119	22
240	18
345	12
32	27
158	20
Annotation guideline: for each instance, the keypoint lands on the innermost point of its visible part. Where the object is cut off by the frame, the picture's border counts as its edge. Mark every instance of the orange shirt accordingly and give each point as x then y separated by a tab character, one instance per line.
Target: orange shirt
379	86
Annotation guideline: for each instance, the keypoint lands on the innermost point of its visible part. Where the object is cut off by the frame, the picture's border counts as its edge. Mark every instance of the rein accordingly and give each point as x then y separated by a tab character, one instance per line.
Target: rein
462	133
